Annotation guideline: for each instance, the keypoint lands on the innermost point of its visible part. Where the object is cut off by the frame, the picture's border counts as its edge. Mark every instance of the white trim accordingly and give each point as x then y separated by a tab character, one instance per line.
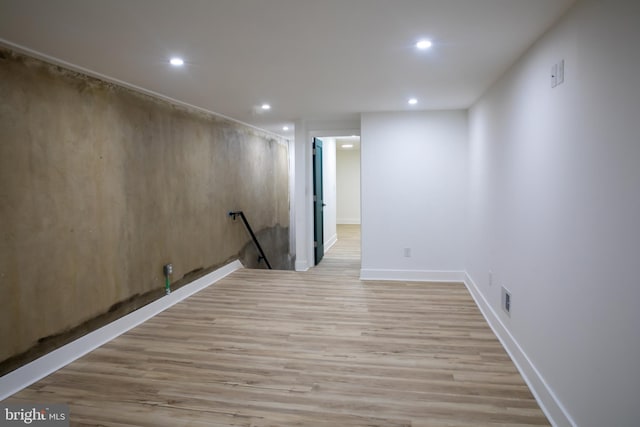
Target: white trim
329	243
412	275
28	374
301	265
544	395
349	221
317	129
53	60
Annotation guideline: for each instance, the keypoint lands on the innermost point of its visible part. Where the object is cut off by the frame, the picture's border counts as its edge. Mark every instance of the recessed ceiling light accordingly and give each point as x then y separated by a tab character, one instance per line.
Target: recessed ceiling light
347	145
266	107
424	44
176	62
413	101
285	128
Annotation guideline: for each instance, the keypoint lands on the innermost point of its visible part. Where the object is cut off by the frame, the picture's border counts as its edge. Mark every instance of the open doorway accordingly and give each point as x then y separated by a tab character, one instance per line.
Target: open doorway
336	177
348	181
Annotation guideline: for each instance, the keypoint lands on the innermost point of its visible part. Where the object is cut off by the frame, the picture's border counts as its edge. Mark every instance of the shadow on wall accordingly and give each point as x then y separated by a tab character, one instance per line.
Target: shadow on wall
275	244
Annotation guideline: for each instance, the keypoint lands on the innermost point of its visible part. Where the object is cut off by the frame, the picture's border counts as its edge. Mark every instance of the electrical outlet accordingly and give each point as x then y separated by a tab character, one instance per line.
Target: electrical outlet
407	252
506	301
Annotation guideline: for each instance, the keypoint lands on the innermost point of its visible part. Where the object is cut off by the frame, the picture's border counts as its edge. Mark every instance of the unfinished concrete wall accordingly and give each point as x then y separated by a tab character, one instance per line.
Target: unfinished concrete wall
101	186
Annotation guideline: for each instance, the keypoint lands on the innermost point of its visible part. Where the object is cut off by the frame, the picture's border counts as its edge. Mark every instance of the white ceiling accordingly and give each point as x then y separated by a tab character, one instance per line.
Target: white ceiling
310	59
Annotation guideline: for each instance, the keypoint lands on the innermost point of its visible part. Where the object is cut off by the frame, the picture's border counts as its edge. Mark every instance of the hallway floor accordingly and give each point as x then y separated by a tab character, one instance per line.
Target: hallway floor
320	348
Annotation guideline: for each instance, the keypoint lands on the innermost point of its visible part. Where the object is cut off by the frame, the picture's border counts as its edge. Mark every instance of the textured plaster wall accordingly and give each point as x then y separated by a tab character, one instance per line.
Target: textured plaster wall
101	186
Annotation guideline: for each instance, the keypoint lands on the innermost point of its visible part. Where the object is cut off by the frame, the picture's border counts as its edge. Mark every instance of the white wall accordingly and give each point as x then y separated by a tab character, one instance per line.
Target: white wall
554	212
302	199
292	200
414	182
329	191
348	185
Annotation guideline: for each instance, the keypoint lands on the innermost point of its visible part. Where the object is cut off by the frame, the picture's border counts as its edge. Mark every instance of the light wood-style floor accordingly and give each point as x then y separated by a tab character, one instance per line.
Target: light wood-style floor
321	348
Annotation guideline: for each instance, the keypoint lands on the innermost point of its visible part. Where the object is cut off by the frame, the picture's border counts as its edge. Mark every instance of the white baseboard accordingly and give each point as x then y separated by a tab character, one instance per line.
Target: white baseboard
330	242
348	221
301	265
548	401
28	374
412	275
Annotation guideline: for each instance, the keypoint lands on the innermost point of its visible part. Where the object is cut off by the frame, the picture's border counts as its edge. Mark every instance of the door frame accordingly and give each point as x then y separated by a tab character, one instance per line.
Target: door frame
303	182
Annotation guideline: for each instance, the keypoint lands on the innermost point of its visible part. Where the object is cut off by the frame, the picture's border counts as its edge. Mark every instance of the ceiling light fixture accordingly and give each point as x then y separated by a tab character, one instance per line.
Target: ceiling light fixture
176	62
285	128
266	107
413	101
347	145
424	44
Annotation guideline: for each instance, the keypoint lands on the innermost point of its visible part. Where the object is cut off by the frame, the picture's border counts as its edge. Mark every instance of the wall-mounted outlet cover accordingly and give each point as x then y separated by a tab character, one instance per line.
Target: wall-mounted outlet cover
507	302
407	252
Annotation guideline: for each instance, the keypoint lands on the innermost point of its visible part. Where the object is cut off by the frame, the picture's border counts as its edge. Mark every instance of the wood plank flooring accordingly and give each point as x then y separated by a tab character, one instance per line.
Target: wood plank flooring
320	348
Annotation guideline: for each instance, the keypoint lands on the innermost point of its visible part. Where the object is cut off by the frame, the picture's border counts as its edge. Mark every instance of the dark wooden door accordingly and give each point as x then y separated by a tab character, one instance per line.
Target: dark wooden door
318	202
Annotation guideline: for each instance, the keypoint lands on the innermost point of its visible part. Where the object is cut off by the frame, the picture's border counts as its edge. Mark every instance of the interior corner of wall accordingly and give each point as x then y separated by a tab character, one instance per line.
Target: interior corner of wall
543	393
